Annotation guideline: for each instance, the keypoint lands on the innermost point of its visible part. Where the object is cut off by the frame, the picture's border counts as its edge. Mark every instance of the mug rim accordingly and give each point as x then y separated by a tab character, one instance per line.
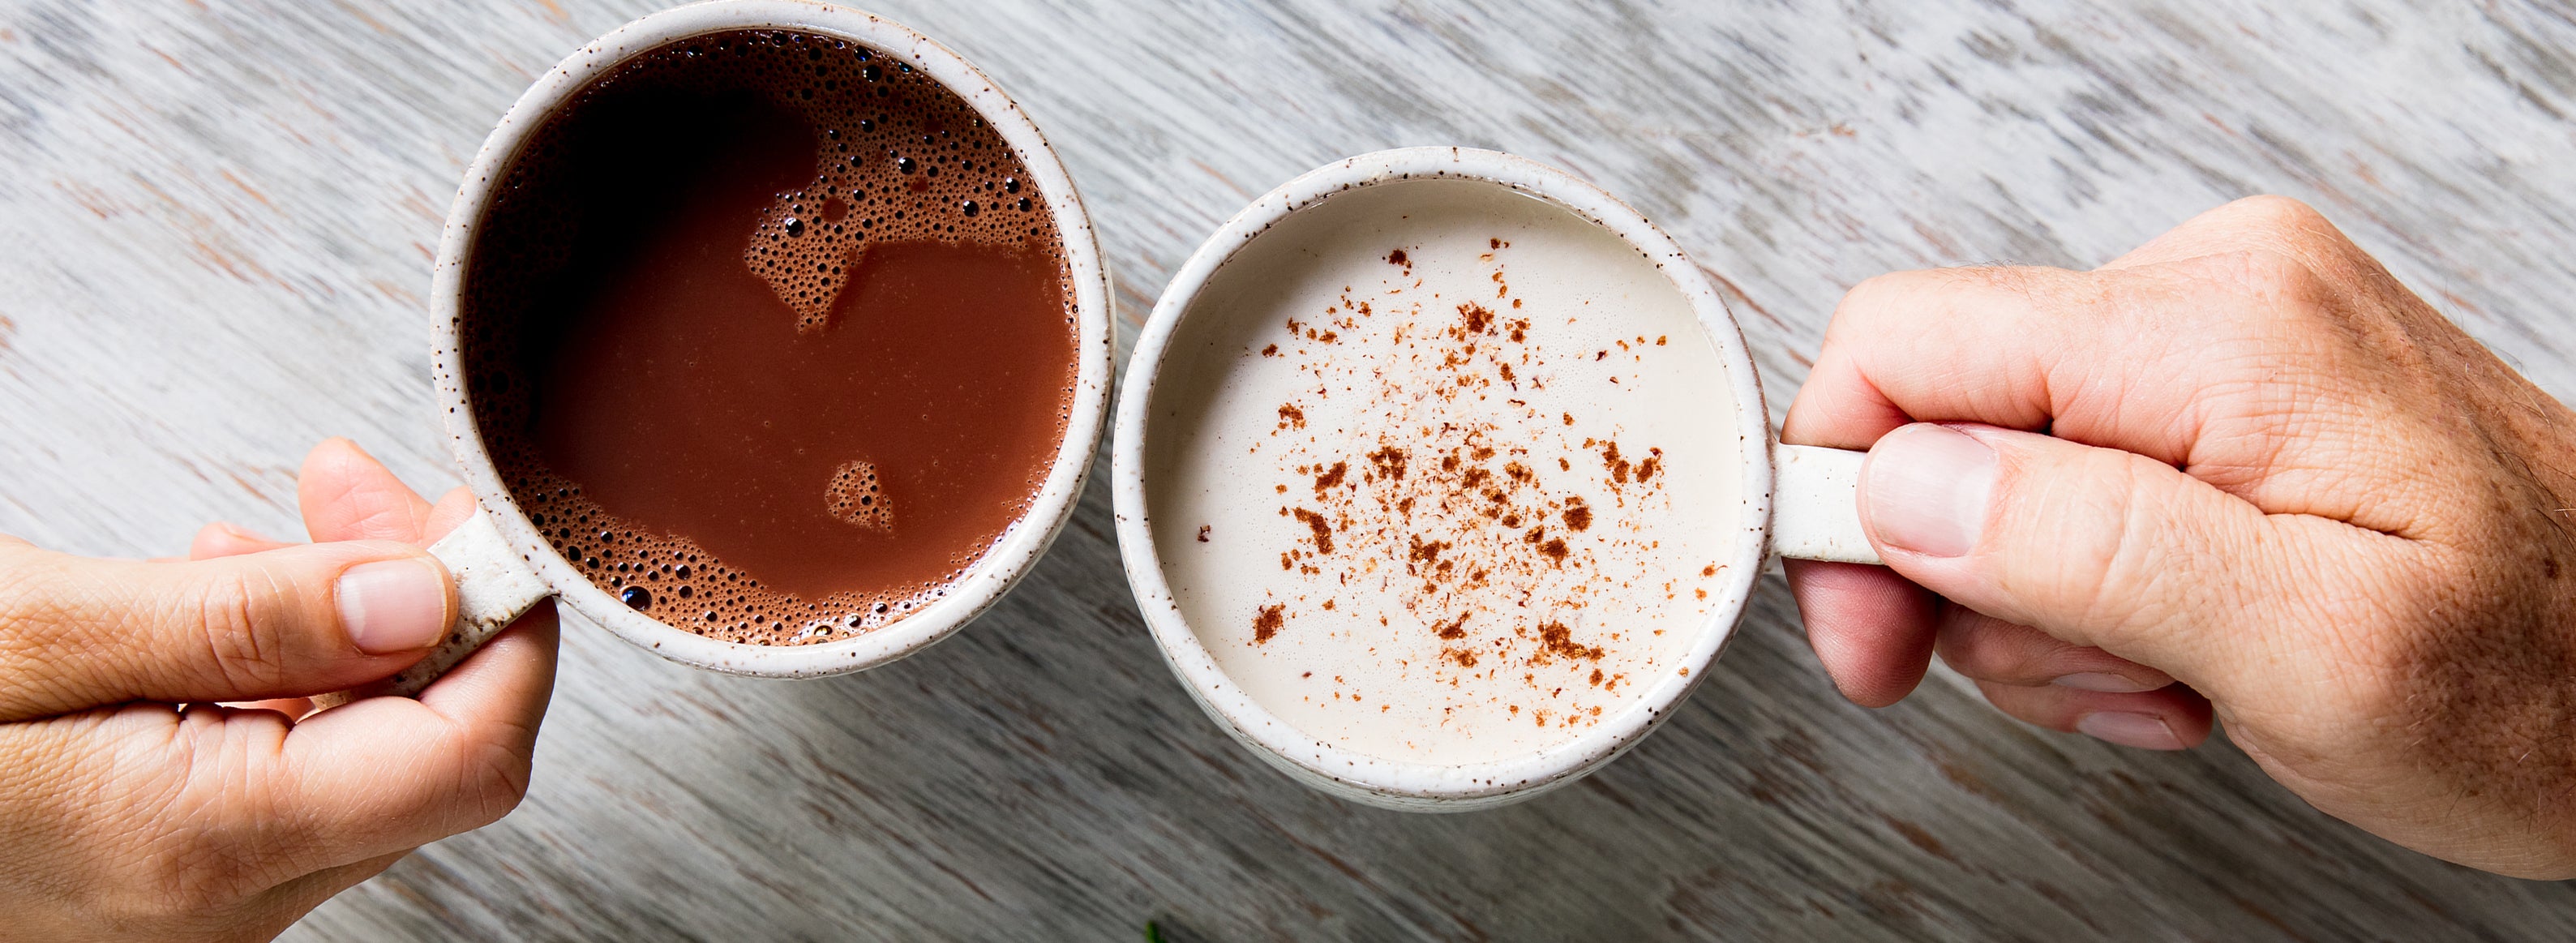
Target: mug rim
1414	785
1010	558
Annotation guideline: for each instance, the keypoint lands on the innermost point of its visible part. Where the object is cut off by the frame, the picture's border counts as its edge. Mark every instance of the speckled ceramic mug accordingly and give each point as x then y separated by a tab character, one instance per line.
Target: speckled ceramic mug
504	565
1794	501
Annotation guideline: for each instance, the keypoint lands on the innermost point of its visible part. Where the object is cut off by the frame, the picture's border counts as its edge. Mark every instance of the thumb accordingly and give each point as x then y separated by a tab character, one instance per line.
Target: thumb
2094	546
77	633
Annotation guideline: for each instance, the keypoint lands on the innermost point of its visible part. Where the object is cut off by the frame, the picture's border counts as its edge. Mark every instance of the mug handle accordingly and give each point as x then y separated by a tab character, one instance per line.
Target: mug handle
494	587
1815	505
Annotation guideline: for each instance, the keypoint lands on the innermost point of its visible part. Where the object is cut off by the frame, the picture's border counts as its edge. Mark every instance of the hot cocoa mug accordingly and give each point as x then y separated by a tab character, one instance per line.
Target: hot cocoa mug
504	565
1786	500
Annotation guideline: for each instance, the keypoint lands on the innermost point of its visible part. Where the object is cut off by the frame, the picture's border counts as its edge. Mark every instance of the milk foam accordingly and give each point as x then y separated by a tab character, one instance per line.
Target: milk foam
1441	472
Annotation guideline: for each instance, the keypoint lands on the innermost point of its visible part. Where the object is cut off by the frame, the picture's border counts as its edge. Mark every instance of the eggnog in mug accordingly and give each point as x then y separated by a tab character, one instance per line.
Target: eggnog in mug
1444	473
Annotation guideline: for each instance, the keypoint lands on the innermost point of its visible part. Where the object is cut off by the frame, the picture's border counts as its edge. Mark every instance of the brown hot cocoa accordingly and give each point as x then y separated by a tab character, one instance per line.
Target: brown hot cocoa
770	335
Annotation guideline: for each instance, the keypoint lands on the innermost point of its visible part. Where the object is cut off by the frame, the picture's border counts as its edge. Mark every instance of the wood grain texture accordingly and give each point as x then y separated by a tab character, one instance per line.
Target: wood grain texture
216	222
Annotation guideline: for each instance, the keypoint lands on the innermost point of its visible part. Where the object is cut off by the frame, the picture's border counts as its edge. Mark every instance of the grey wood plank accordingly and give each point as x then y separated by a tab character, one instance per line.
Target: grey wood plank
215	229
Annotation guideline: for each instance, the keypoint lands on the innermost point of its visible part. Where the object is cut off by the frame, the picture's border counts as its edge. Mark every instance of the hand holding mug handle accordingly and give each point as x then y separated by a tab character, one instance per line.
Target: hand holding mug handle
494	587
2243	469
167	776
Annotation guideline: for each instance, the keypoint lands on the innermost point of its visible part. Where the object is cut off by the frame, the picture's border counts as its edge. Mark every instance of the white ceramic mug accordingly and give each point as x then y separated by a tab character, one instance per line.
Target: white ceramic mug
1796	501
504	566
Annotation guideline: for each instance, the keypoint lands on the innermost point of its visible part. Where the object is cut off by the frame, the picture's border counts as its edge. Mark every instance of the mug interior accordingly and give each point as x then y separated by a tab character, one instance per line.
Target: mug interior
1020	545
1170	374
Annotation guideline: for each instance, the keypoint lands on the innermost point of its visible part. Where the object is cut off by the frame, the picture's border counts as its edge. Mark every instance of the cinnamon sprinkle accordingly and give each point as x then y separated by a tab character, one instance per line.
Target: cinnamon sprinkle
1443	501
1323	529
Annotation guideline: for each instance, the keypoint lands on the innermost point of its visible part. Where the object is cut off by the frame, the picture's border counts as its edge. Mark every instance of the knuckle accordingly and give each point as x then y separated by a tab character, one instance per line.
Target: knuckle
2277	298
1966	643
2278	217
1991	649
76	632
2031	705
480	776
1873	295
2100	560
2275	279
1983	662
496	780
239	627
2136	585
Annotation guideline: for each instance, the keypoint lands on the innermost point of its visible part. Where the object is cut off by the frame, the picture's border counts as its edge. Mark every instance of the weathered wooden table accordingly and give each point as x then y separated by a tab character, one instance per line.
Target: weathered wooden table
216	222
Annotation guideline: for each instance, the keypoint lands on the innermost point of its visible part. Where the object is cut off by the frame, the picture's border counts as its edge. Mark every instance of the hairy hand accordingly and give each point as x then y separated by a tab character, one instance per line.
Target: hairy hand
2241	470
162	776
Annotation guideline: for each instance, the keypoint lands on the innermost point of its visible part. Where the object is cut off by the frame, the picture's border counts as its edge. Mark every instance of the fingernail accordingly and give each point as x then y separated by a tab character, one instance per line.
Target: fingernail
393	605
1927	489
2144	731
2103	682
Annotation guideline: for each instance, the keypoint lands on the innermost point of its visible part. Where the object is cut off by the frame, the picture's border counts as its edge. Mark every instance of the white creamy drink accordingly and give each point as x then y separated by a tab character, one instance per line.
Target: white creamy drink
1442	472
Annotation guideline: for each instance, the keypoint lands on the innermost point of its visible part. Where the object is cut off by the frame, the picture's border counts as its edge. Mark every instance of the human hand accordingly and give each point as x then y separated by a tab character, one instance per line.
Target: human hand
2241	462
134	806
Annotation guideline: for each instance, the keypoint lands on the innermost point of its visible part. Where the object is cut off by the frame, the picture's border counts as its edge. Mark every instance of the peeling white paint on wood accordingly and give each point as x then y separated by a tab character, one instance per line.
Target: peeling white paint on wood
215	234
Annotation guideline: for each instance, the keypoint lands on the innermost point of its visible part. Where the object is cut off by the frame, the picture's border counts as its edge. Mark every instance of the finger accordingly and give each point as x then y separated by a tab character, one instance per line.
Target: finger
383	774
345	494
2171	718
449	513
1872	630
78	633
2186	361
2021	348
220	539
2097	547
1990	649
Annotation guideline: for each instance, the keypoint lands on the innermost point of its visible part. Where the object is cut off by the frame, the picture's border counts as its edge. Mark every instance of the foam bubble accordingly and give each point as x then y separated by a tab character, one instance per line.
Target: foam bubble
855	497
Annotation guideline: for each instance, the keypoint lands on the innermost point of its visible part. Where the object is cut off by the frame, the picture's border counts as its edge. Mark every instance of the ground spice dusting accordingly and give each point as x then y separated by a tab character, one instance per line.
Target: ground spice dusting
1446	509
1323	529
1324	483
